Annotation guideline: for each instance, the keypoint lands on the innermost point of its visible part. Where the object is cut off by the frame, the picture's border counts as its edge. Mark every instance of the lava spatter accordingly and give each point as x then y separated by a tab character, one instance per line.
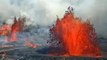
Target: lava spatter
74	37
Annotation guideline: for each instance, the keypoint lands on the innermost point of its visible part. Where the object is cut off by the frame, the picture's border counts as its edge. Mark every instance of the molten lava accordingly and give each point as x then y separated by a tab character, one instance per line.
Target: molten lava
6	30
16	28
30	44
74	37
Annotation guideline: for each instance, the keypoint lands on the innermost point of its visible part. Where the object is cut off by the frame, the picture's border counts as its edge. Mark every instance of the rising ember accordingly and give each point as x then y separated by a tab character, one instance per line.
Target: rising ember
74	37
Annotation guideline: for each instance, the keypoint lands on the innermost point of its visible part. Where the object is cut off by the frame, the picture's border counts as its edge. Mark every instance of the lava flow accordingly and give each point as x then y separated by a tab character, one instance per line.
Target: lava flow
74	37
30	44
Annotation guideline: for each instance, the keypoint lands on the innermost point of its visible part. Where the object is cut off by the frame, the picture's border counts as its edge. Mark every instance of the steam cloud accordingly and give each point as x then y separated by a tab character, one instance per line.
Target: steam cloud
43	12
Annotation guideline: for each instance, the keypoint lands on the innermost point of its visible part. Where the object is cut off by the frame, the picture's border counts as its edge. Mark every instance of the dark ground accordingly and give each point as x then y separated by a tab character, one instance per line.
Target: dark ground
27	53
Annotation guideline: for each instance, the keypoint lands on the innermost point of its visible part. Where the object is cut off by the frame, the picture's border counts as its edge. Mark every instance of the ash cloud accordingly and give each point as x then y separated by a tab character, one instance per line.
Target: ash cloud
43	12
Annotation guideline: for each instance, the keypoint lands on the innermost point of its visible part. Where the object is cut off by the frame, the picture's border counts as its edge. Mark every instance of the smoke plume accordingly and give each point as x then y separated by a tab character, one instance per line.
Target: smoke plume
43	12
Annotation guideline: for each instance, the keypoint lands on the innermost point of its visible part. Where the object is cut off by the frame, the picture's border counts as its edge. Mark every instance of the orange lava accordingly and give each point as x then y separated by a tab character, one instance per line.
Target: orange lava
12	30
5	31
16	28
76	37
30	44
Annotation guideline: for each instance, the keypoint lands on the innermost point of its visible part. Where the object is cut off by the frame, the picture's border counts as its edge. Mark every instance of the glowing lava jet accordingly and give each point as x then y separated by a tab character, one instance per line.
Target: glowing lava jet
12	30
16	28
74	37
5	31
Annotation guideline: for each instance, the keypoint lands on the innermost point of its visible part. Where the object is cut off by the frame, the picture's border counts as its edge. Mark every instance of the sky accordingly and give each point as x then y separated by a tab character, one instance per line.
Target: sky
43	12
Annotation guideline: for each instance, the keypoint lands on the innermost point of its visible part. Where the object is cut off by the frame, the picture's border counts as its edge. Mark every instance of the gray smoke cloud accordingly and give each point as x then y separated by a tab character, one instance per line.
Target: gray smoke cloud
43	12
96	11
38	11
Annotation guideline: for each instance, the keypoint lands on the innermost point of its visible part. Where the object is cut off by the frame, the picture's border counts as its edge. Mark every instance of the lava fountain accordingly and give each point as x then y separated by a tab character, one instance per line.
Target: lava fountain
17	27
12	30
74	37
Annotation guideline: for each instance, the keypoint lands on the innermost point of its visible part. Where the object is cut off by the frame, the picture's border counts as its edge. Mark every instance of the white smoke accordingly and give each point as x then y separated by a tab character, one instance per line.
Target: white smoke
39	11
96	11
43	12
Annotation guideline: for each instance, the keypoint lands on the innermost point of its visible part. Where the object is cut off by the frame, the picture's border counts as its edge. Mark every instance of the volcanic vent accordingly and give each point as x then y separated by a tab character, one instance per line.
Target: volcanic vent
73	37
